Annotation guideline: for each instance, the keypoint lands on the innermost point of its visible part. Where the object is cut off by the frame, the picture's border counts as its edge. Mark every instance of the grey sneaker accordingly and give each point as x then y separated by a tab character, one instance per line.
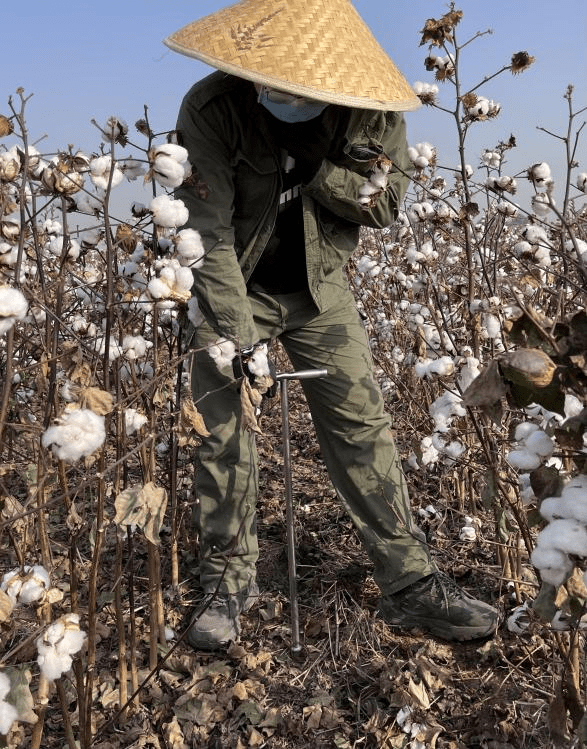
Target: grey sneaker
219	624
437	605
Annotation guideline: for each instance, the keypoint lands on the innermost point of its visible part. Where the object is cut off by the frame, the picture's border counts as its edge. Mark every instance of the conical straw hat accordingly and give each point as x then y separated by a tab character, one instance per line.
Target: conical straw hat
321	49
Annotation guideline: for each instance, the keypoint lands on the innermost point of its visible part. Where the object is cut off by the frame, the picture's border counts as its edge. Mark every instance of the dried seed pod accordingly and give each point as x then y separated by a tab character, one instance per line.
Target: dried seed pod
6	127
59	179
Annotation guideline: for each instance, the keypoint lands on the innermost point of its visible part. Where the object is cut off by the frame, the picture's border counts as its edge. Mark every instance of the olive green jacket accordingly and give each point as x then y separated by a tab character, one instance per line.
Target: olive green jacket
233	196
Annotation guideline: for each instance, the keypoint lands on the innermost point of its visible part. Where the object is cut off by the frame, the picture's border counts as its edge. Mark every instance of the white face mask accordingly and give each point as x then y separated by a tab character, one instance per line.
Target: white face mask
287	107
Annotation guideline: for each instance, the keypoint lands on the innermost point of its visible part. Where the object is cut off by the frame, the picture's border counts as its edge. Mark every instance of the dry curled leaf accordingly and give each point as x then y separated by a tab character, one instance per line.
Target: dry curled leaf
191	419
99	401
485	389
251	400
143	506
6	606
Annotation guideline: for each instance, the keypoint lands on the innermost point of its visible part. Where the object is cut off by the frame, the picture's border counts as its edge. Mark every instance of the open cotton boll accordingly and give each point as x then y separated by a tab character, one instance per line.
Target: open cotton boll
190	249
79	433
258	363
555	566
135	346
222	352
100	169
523	460
167	171
13	307
567	535
34	584
468	533
61	640
8	713
168	212
524	430
133	420
540	443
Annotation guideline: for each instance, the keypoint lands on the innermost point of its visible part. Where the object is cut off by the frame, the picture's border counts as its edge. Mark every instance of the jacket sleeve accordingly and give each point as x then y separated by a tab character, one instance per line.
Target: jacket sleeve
219	285
336	184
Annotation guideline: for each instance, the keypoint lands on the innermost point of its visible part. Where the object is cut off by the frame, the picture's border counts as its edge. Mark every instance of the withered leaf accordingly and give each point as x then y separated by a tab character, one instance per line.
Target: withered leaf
251	400
487	388
99	401
546	482
143	506
6	606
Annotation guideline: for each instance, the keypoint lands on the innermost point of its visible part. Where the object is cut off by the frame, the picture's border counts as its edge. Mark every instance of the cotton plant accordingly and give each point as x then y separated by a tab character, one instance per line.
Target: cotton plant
79	432
58	644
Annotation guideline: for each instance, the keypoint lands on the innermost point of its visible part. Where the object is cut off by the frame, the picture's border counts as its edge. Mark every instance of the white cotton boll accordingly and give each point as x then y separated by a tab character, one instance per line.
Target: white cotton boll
379	179
158	289
454	449
222	352
468	372
442	366
523	460
426	150
523	430
8	714
368	188
79	433
421	162
555	567
135	346
413	153
539	173
34	584
52	226
468	533
167	171
258	363
567	535
421	368
100	169
53	664
491	324
188	243
552	508
13	307
184	279
430	454
168	212
133	421
506	208
365	264
172	150
540	443
582	182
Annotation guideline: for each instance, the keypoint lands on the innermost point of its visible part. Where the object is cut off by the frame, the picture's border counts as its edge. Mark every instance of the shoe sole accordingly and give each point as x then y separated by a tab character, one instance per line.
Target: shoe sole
437	628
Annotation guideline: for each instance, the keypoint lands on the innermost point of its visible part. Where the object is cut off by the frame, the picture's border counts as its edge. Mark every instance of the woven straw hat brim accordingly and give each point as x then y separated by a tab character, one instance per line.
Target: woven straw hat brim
321	49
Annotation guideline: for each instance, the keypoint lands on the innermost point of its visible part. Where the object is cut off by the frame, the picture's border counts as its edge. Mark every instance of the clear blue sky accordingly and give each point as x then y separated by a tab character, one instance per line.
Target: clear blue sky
85	60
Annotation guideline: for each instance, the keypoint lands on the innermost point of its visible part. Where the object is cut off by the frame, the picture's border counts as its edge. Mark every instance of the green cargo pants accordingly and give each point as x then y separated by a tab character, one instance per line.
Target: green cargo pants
353	431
